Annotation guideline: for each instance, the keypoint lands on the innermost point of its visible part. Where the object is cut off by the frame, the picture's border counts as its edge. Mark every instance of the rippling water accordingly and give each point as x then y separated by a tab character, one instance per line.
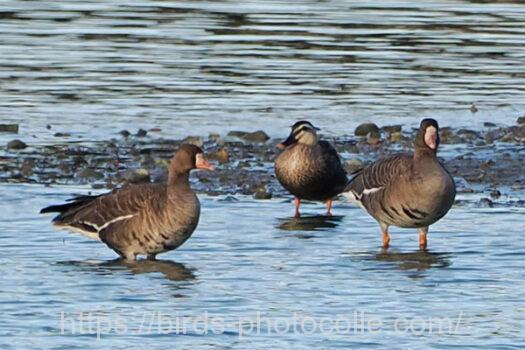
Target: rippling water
189	67
249	258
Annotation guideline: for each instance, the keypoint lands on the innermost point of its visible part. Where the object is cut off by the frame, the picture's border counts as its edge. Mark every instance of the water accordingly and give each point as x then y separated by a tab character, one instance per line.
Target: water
248	258
92	68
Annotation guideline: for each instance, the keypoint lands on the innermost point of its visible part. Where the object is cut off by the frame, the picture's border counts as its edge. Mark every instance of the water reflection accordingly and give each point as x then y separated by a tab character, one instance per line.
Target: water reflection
171	270
309	223
419	260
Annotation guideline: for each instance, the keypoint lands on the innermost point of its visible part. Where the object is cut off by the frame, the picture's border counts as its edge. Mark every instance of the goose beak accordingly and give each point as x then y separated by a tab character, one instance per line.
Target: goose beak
431	137
202	163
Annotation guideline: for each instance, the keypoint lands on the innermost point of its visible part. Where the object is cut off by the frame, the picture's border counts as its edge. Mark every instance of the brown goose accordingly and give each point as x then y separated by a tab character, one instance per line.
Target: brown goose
145	219
412	191
309	168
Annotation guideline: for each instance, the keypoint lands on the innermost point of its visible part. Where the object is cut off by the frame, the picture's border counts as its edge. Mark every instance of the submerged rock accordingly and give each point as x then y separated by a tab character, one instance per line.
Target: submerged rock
262	193
141	133
16	144
521	120
13	128
124	133
486	203
365	128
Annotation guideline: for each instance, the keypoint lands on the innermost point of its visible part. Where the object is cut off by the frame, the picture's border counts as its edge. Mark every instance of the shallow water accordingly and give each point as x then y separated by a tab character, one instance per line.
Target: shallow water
249	258
92	68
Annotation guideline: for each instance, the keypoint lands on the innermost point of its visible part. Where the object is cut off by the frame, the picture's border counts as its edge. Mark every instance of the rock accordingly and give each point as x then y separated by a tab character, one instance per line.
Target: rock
486	203
155	130
16	144
396	137
262	193
373	138
194	140
495	194
62	134
236	133
256	136
48	126
392	128
473	108
468	134
141	133
365	128
353	165
222	155
89	173
487	165
137	176
124	133
214	137
489	125
509	137
13	128
521	120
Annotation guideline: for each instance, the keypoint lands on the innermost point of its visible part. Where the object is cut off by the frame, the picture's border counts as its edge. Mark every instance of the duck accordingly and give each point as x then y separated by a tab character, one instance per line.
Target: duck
140	219
309	168
406	190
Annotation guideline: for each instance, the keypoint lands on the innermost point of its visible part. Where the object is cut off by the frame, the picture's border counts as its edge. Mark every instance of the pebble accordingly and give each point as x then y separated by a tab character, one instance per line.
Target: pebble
194	140
137	176
365	128
262	193
16	144
353	165
256	136
13	128
521	120
62	134
222	155
373	138
473	108
392	128
396	137
489	125
141	133
486	203
214	137
124	133
495	194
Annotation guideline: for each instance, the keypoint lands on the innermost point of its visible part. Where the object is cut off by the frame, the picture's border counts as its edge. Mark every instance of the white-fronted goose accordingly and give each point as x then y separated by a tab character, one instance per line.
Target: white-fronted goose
412	191
309	168
145	219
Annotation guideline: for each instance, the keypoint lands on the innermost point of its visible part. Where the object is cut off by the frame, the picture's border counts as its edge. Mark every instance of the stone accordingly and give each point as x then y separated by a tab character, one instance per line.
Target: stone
489	125
396	137
352	165
16	144
262	193
373	138
495	194
141	133
256	136
392	128
486	203
365	128
222	155
194	140
137	176
521	120
12	128
124	133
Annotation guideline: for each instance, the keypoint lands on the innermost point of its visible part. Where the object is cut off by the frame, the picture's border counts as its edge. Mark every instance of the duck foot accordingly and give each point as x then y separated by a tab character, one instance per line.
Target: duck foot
329	207
423	238
297	202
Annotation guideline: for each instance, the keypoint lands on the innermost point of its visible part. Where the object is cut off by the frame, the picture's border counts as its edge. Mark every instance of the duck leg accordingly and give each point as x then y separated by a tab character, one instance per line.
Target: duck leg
423	238
329	207
386	236
297	202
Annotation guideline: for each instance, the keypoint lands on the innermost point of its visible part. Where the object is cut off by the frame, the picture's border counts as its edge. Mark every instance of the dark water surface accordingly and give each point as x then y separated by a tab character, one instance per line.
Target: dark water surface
248	259
93	68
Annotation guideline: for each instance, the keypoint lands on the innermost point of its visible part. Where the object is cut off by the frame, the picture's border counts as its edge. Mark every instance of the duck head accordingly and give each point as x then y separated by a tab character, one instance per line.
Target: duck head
427	137
302	132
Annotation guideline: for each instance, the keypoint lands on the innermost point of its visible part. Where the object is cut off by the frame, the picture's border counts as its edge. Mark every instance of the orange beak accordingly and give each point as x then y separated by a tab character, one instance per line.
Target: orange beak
202	163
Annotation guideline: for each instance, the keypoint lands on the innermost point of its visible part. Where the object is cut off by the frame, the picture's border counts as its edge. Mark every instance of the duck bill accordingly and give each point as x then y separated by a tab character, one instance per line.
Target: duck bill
289	141
202	163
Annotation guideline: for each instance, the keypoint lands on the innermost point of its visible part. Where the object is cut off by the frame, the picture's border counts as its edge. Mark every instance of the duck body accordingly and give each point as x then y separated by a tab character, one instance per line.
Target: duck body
145	219
407	190
311	172
309	168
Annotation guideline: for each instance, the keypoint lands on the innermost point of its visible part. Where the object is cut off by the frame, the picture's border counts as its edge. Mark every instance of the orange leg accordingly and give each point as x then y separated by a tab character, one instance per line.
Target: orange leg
297	202
423	238
386	236
329	207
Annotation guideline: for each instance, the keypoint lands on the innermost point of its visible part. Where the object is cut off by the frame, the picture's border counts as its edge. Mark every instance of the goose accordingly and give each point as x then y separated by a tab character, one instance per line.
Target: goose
410	191
309	168
145	219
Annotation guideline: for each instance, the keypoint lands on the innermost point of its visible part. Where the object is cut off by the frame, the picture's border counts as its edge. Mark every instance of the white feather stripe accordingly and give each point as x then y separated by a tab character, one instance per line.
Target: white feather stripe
106	224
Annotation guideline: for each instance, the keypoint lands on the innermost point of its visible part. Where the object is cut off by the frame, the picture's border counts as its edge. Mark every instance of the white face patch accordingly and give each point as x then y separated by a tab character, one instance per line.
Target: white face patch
431	137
